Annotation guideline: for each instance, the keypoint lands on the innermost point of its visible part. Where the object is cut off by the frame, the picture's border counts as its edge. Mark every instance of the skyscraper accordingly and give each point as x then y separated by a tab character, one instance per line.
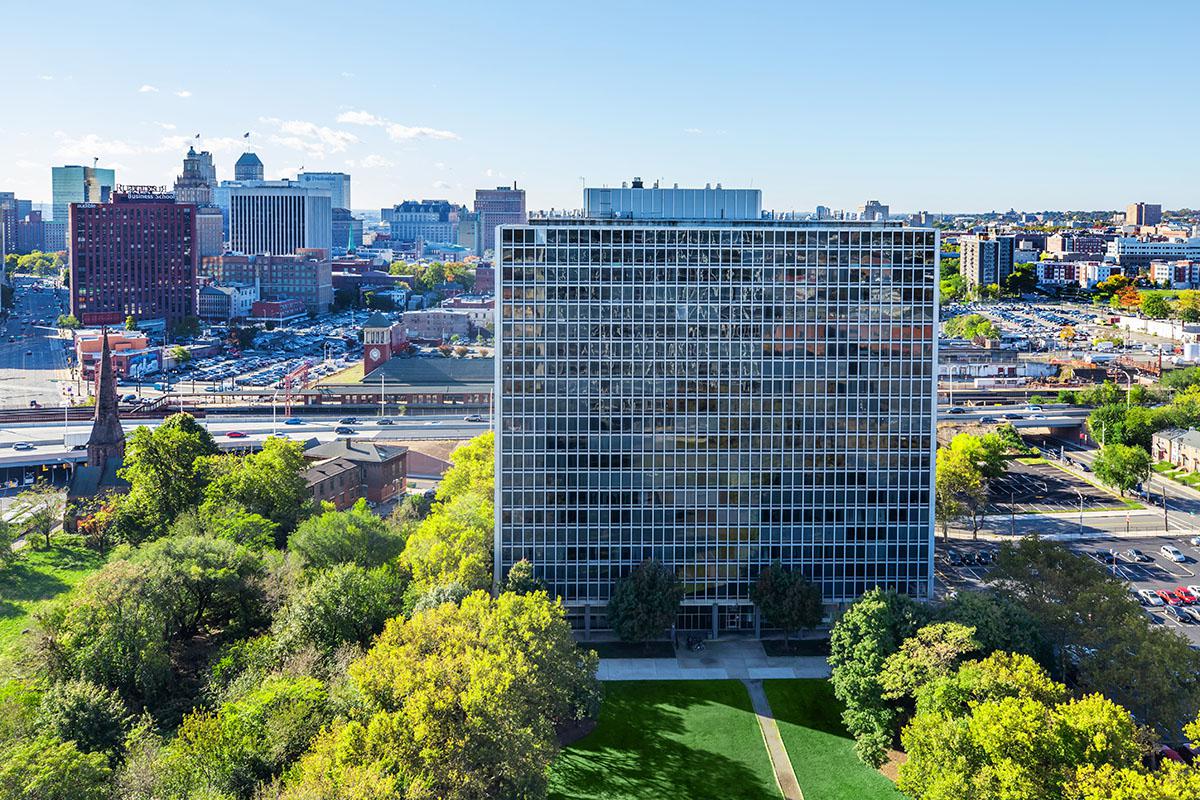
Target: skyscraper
716	393
74	184
195	184
279	217
985	260
336	183
429	220
499	206
248	168
134	256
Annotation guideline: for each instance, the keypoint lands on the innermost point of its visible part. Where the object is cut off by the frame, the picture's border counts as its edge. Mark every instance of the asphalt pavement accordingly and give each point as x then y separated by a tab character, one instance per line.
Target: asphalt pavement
33	363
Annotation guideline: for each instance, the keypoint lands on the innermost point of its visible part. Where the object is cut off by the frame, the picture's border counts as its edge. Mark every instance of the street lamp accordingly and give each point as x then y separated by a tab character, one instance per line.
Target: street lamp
1080	511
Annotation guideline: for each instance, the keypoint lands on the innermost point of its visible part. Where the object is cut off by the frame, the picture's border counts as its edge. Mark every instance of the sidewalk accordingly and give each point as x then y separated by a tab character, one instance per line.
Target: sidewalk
738	659
785	775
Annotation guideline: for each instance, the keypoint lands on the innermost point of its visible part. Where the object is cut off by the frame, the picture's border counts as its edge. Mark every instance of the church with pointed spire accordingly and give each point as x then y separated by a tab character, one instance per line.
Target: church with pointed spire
106	445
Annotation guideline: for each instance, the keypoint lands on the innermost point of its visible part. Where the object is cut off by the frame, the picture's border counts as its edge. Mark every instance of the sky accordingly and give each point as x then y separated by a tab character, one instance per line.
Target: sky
931	105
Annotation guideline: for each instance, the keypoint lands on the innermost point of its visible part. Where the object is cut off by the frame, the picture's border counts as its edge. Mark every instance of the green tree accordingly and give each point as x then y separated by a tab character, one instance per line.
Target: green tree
1155	305
343	604
1170	781
969	326
46	768
933	652
68	322
246	742
1122	466
233	524
91	716
181	354
130	323
163	469
462	702
522	579
859	644
355	536
644	603
187	327
1021	280
787	598
8	537
40	508
999	623
269	483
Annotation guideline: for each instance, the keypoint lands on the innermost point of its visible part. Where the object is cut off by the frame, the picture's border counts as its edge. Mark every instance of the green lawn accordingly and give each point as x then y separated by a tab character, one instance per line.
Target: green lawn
822	755
668	739
35	578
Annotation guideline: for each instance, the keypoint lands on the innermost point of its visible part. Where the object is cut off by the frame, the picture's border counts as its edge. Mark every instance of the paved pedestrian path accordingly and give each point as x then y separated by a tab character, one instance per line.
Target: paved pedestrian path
785	776
720	660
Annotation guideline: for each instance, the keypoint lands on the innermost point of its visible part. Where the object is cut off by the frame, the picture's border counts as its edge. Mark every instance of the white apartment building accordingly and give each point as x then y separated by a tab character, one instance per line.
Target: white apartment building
279	217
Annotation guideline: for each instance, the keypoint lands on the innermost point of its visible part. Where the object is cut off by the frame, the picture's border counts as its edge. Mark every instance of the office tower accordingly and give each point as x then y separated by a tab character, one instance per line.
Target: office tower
73	184
716	392
248	168
336	183
428	220
985	260
1134	255
347	232
195	184
469	235
1143	214
8	223
279	217
873	210
134	256
306	275
499	206
823	212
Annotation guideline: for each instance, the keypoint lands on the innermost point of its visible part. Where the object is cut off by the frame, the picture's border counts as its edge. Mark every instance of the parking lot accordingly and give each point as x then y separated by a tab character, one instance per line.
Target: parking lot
1149	570
1044	488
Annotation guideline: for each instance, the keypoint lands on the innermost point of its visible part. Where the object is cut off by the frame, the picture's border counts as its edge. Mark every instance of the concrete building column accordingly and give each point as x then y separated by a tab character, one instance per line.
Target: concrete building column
715	612
757	624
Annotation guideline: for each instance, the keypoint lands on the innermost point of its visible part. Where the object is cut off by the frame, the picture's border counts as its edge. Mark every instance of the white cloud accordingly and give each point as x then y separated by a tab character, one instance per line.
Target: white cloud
360	118
147	88
395	131
347	74
441	185
400	133
183	93
166	126
46	77
490	173
693	131
25	163
439	165
92	145
375	161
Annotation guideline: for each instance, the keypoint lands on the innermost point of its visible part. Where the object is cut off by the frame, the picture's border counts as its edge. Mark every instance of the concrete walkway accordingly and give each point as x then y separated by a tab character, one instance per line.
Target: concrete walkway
785	776
737	659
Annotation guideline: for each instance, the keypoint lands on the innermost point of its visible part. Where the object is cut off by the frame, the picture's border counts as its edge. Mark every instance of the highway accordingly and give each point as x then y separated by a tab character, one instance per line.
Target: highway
48	448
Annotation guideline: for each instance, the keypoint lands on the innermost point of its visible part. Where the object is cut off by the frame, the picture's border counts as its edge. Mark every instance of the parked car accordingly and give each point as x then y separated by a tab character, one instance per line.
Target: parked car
954	558
1135	556
1173	553
985	557
1186	597
1178	613
1168	598
1192	612
1149	598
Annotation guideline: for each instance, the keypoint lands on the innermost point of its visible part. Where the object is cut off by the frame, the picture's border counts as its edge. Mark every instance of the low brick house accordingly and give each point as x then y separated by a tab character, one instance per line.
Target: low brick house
347	469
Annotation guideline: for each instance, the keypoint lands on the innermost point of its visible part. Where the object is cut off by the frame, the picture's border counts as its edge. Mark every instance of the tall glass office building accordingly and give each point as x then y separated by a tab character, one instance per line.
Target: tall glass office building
717	391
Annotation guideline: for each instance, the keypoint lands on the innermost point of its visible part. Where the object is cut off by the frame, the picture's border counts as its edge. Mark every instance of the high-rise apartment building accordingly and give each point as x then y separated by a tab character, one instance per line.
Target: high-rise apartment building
499	206
336	183
1143	214
985	260
428	220
74	184
715	393
134	256
248	167
279	217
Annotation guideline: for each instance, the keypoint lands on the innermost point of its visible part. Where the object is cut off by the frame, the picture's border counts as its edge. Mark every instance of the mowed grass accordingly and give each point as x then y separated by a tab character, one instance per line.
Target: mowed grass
668	739
822	754
34	579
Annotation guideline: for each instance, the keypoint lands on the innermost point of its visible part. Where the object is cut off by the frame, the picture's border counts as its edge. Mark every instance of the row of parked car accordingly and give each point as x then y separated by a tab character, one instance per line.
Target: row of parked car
960	558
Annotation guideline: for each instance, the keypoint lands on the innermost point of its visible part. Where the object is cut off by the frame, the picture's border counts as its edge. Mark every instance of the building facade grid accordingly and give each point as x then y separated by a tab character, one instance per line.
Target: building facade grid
716	396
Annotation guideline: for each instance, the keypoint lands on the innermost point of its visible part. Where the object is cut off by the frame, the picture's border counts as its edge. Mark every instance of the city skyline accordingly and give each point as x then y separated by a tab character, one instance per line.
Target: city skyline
884	95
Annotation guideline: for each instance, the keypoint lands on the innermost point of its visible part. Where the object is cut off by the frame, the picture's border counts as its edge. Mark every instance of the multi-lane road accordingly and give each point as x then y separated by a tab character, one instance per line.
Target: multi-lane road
33	362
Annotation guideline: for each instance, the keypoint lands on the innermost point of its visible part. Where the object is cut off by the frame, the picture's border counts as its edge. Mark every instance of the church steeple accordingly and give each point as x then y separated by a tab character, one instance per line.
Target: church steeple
107	441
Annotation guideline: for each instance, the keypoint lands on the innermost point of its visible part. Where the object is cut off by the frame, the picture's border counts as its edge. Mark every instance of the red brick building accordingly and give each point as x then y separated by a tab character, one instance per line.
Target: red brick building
134	256
345	470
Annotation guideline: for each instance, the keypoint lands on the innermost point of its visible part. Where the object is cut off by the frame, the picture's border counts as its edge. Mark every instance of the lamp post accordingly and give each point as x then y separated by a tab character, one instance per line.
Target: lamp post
1080	511
1012	514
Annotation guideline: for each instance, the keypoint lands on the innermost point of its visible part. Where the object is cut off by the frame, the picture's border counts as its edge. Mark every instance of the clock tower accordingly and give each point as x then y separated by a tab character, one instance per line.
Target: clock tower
381	339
